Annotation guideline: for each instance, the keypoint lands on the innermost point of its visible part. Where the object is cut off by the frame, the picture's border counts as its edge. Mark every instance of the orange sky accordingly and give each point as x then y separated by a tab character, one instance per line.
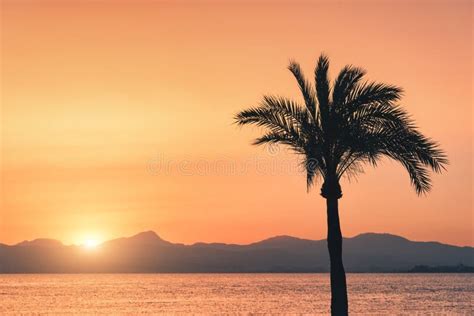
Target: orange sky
117	117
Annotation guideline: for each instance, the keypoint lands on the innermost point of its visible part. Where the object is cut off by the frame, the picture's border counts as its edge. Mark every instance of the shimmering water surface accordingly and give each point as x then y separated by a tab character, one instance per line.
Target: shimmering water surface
378	294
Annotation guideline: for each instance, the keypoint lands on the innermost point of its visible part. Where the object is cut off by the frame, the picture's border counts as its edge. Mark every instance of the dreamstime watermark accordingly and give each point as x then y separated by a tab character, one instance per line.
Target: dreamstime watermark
274	162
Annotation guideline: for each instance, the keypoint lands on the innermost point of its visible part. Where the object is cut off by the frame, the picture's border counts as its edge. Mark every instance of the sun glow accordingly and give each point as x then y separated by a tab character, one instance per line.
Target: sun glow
90	243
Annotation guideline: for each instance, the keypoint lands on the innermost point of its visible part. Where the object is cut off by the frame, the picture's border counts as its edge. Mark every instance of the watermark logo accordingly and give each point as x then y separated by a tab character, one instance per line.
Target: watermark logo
271	162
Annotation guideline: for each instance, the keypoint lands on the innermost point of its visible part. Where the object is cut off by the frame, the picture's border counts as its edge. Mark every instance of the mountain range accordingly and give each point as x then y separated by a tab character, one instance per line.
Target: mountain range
146	252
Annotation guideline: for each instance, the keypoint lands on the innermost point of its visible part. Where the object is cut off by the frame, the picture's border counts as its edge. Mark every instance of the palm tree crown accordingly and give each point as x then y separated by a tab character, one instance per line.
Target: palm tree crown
341	128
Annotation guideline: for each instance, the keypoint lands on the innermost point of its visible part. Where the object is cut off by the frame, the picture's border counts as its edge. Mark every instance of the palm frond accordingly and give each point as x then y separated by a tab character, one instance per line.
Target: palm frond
372	93
284	119
295	143
396	123
426	150
419	175
290	109
261	116
322	87
314	170
305	87
345	83
401	144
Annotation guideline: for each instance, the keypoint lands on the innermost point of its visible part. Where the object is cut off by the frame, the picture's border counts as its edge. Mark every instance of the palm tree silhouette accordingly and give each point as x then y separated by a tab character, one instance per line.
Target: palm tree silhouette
336	132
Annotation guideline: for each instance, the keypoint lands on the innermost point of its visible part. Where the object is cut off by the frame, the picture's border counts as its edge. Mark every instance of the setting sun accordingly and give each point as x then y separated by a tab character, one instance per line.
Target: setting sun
91	243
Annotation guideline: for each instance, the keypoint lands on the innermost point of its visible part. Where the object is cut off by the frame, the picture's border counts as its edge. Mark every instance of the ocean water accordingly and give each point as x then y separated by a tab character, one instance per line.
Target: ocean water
134	294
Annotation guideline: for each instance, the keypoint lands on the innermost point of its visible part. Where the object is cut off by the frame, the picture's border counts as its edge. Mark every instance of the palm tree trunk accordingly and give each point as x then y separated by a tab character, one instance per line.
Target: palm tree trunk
339	304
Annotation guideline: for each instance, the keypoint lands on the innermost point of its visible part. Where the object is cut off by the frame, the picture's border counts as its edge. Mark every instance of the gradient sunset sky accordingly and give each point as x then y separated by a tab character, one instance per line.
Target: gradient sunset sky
117	117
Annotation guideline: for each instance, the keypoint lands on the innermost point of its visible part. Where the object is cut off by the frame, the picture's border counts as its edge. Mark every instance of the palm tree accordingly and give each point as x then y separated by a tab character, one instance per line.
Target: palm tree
337	131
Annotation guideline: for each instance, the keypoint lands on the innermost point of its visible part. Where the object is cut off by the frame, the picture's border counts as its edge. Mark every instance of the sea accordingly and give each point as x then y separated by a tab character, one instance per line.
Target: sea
235	294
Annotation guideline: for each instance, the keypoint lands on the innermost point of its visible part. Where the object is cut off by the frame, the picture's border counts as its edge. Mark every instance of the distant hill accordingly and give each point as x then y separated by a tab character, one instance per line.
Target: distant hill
147	252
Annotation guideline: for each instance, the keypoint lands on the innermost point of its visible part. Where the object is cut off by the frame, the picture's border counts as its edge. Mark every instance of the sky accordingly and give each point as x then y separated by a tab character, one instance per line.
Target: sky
117	117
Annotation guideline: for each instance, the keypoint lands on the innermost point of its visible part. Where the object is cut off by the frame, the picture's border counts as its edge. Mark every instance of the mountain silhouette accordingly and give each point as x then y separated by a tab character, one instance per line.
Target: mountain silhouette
146	252
41	242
